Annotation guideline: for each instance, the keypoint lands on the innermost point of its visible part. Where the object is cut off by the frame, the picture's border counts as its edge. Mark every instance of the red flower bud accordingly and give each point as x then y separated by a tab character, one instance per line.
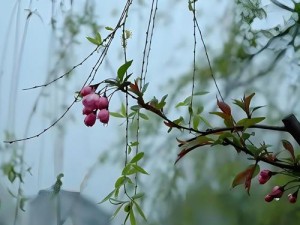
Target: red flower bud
277	192
264	176
91	101
103	116
293	197
90	119
86	90
103	103
86	111
269	198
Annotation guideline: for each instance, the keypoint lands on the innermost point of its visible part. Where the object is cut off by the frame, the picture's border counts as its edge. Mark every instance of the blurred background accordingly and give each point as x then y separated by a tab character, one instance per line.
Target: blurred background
253	47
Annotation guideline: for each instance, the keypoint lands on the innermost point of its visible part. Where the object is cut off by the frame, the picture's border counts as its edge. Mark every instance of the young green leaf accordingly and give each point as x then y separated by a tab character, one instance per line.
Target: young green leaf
196	122
201	93
126	169
132	217
139	210
98	38
22	203
117	211
139	169
137	157
107	197
135	143
123	69
145	88
93	41
116	114
109	28
185	102
249	122
144	116
120	181
138	195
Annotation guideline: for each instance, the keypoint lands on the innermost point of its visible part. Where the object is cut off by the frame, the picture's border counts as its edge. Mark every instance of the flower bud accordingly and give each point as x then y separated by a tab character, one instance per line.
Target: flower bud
86	111
90	119
103	116
293	197
269	198
86	90
277	192
103	103
91	101
264	176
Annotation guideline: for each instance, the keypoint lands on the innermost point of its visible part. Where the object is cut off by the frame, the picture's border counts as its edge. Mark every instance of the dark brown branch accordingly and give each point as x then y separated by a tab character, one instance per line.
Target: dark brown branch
292	126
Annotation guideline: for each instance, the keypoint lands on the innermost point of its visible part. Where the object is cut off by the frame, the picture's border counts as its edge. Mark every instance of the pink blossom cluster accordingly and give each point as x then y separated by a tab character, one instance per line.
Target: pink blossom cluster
95	106
277	191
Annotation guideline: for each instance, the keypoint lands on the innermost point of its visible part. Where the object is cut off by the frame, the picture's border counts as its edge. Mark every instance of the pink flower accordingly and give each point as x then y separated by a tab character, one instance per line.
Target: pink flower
90	119
264	176
103	103
103	116
86	90
293	197
91	101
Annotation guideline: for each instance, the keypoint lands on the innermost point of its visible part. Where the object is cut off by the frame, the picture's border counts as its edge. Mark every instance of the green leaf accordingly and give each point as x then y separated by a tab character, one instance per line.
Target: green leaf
256	108
138	195
107	197
116	114
93	41
239	104
12	176
185	102
117	211
144	116
136	143
201	93
132	217
126	169
115	201
249	122
196	122
22	204
109	28
123	110
135	107
123	69
98	38
137	157
120	181
131	171
129	149
145	88
205	121
178	121
117	190
139	210
139	169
